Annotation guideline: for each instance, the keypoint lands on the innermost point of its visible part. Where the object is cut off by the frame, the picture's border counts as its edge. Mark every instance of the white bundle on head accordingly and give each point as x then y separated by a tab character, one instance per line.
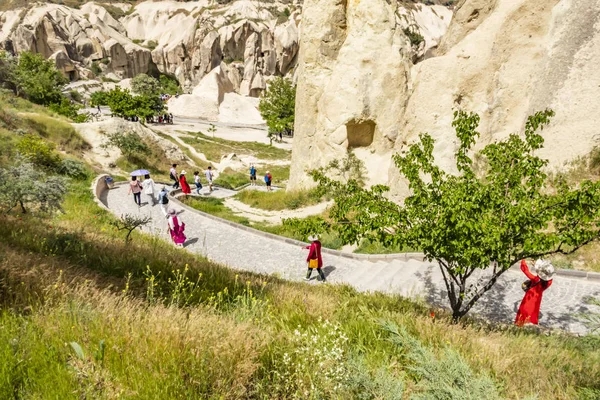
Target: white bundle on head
544	269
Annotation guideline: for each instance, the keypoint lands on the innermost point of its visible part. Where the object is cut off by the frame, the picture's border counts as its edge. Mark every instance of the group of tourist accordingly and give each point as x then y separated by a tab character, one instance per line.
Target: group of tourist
160	119
533	287
147	186
180	181
268	177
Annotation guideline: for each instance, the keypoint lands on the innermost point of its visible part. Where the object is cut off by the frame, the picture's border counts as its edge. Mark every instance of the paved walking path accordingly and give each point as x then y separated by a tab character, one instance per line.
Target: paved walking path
250	251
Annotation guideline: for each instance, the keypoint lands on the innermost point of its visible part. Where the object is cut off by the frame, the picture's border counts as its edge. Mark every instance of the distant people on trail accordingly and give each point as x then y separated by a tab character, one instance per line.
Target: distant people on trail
268	180
280	137
136	188
99	110
314	259
176	228
148	185
529	310
185	187
163	200
197	181
173	176
209	178
171	118
252	175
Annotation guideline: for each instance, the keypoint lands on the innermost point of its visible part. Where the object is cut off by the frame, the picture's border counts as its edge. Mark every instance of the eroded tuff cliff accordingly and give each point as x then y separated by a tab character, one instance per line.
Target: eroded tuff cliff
186	40
504	59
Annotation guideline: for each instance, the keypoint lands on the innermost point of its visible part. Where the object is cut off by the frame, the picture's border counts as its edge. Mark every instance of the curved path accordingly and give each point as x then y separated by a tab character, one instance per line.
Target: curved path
254	251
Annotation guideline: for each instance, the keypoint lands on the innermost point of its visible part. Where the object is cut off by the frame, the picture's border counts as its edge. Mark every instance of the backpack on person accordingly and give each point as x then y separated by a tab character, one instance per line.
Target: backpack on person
163	198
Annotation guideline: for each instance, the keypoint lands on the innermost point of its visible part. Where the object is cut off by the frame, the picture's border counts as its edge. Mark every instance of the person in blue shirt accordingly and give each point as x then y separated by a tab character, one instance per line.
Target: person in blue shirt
268	180
252	175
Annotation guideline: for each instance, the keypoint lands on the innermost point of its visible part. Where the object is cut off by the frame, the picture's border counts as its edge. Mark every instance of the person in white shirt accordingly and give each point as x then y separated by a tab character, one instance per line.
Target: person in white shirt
197	181
174	177
209	178
148	186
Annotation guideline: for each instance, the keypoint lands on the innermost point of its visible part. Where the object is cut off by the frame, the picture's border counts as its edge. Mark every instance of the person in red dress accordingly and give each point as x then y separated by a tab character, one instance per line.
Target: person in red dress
185	187
314	253
529	309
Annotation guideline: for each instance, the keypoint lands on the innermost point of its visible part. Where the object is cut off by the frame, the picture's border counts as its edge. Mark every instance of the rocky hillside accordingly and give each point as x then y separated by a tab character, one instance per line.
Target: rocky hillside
183	39
361	87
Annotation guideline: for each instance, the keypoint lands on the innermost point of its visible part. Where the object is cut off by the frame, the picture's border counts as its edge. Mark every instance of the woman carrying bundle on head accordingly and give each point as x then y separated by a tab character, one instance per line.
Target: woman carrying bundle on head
185	187
537	283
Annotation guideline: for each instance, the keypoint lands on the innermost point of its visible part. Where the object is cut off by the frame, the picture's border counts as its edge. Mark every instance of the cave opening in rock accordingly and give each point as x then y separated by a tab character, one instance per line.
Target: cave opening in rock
360	133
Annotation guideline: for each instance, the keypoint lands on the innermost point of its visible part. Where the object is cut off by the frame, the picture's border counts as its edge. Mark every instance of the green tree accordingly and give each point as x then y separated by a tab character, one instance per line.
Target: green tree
471	221
37	79
39	152
277	106
130	144
145	85
99	98
21	185
122	103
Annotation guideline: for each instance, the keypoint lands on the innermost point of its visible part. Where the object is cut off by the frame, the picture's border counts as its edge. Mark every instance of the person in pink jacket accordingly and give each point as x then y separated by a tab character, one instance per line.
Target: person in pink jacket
314	253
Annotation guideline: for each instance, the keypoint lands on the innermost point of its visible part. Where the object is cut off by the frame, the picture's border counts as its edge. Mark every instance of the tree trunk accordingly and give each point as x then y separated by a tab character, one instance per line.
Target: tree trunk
23	210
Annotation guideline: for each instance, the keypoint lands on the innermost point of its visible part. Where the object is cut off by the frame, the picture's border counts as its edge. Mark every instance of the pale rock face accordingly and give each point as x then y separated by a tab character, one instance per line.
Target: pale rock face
354	72
214	99
189	39
504	59
82	35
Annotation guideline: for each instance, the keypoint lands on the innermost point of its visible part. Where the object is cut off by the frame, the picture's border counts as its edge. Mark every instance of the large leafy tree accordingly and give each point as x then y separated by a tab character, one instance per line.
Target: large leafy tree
277	105
484	218
37	79
25	187
124	104
145	85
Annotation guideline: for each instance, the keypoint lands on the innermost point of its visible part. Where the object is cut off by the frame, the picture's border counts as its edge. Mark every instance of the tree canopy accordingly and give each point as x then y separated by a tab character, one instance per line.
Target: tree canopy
21	185
485	218
36	79
277	105
124	104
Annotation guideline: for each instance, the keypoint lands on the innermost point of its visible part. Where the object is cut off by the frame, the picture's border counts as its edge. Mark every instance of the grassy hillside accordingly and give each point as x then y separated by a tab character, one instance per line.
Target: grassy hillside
86	315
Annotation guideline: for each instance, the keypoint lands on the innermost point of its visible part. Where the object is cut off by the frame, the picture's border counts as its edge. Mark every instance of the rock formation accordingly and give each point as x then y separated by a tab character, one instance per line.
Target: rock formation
354	80
186	40
503	59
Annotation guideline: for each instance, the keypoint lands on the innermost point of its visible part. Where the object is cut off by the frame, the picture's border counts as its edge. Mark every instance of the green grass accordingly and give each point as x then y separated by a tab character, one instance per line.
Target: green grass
215	148
230	179
199	162
214	206
278	200
217	208
154	321
369	247
73	279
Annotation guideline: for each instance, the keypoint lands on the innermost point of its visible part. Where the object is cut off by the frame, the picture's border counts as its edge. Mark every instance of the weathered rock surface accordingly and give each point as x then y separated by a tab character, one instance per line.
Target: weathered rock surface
183	39
503	59
354	80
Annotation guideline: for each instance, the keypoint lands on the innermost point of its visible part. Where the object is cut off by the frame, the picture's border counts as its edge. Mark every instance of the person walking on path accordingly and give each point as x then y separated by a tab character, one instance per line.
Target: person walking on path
314	259
176	228
252	175
197	181
529	309
148	185
163	200
268	180
185	187
209	178
136	188
173	176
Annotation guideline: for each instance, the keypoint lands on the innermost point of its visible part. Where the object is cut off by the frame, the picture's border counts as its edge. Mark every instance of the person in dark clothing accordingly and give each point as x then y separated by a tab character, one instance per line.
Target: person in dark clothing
174	177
